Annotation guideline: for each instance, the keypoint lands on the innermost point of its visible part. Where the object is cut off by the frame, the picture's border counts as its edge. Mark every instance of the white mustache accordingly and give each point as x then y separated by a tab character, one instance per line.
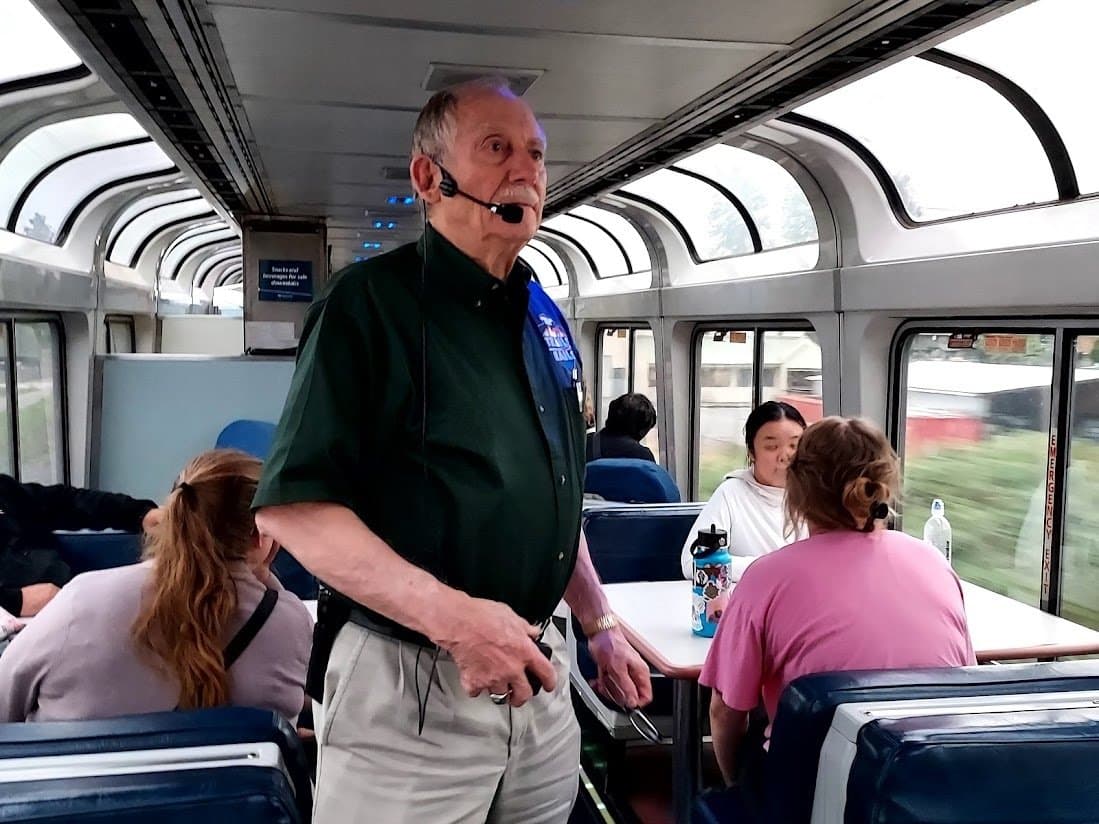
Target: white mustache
524	197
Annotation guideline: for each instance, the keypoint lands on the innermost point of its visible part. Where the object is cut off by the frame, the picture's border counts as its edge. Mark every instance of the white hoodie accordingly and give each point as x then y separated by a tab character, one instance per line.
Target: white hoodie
752	514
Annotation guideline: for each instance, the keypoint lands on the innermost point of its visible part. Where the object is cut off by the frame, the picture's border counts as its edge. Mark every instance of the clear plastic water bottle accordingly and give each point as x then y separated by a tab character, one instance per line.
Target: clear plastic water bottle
937	529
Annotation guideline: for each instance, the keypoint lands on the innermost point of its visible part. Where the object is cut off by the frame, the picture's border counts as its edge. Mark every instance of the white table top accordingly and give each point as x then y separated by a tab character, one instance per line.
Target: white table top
656	618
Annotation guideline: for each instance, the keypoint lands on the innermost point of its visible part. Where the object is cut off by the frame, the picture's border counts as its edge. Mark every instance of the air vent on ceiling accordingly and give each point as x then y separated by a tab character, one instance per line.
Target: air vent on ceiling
442	75
396	173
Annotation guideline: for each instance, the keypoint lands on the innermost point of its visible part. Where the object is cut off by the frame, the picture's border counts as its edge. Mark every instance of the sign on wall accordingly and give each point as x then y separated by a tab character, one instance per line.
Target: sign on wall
286	280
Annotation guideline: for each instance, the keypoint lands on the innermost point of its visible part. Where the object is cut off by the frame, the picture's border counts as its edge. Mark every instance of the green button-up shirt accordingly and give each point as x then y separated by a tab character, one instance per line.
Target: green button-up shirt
486	496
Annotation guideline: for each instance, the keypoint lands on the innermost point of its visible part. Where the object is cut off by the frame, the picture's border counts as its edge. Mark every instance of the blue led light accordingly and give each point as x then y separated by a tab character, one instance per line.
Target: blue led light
391	224
400	200
372	244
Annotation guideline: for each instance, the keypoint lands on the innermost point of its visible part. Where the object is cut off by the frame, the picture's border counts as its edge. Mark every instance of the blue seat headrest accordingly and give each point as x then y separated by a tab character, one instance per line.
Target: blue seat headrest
630	480
253	437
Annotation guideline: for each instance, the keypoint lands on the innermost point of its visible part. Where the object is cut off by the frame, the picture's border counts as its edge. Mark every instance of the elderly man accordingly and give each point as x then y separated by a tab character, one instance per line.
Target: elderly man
429	467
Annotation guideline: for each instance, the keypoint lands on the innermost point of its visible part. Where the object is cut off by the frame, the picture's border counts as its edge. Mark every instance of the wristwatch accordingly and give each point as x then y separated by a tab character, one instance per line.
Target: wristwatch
607	620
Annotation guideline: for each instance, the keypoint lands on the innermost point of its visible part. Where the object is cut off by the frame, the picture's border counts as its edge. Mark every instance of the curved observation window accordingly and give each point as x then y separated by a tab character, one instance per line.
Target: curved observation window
624	232
28	44
146	224
951	144
772	197
182	248
713	225
608	256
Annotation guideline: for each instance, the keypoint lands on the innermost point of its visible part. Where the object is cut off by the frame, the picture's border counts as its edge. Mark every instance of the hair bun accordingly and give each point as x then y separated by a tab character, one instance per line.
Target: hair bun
879	511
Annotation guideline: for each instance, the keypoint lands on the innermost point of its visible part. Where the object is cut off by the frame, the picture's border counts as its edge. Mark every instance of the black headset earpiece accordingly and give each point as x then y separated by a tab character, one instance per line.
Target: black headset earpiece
448	186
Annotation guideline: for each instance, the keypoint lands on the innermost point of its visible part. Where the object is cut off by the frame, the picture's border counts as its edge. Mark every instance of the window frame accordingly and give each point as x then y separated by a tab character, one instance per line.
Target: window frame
758	330
630	325
1059	442
119	229
8	321
131	328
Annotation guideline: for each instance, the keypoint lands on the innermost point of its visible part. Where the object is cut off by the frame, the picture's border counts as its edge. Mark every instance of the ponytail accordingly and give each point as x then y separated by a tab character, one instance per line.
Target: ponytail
206	526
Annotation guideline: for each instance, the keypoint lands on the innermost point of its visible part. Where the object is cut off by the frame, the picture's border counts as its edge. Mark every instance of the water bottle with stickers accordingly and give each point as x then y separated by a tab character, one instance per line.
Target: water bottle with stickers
712	579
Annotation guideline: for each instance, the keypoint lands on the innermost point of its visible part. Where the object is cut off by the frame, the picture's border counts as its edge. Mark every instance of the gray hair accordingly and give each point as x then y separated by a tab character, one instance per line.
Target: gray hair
434	131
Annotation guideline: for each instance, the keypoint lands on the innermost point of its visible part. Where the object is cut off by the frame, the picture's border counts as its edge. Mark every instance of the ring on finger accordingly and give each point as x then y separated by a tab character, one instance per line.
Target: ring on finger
500	698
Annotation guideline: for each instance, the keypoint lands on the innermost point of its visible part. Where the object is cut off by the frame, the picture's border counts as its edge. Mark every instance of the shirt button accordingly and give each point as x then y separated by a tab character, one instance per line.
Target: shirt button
478	304
560	556
562	480
541	408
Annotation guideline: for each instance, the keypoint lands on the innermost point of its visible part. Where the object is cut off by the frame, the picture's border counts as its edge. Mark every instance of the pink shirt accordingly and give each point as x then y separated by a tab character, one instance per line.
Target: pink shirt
837	601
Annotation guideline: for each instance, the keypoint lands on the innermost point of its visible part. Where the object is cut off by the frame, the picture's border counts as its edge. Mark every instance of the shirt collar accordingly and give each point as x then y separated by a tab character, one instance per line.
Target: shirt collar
451	271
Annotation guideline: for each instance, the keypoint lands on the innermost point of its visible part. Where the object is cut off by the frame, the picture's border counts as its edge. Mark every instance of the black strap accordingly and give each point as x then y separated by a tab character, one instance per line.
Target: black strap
236	647
596	447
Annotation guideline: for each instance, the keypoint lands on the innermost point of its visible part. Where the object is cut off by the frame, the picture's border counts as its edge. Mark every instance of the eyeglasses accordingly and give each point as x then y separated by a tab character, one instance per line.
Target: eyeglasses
641	722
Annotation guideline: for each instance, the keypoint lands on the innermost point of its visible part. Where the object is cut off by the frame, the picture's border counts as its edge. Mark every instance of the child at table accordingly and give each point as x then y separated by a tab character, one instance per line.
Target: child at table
853	595
170	633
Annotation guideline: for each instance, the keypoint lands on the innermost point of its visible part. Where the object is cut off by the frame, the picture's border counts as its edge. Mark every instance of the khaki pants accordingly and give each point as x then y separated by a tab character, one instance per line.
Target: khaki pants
475	761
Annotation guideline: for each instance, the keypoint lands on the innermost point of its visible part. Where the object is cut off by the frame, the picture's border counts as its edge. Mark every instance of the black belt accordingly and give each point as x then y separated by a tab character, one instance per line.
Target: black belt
368	619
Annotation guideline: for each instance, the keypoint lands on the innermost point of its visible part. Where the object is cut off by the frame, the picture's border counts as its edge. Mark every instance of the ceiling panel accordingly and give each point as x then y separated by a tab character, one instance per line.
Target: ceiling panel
386	68
780	21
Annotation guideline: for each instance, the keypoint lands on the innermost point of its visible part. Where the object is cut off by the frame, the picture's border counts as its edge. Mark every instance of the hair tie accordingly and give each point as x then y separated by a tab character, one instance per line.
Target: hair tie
879	511
184	487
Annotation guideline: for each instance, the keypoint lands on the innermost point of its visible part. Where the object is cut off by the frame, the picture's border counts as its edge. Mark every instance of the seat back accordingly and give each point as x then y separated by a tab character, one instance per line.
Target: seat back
1012	760
806	710
630	480
253	437
175	766
87	551
638	543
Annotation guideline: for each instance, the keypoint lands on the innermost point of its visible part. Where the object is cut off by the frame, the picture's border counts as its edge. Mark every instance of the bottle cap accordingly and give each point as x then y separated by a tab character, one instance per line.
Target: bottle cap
937	507
709	540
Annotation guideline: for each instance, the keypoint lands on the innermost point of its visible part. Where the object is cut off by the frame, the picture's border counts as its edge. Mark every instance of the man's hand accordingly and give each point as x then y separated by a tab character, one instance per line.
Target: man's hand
35	597
493	648
151	520
623	675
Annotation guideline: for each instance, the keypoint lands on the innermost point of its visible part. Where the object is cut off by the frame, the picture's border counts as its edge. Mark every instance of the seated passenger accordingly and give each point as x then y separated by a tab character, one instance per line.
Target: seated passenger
31	570
158	635
854	595
629	419
749	503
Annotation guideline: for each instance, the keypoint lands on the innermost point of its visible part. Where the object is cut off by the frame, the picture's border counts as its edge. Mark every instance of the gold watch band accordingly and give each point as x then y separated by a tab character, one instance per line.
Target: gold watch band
601	624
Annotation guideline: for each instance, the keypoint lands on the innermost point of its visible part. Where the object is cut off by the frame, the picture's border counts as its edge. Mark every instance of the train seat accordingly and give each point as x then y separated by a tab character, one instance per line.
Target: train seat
253	437
629	543
235	765
85	550
808	708
1016	758
630	480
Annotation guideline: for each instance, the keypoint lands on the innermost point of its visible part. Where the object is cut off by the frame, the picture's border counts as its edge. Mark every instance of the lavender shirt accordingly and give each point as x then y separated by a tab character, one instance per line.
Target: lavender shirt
77	660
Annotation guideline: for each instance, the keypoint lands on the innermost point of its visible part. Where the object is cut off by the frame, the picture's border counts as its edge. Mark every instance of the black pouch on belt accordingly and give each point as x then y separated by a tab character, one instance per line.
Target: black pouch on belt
333	611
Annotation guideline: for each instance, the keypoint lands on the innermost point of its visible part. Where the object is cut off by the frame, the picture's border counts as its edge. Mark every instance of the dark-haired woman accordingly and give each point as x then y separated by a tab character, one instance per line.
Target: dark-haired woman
749	503
155	636
854	595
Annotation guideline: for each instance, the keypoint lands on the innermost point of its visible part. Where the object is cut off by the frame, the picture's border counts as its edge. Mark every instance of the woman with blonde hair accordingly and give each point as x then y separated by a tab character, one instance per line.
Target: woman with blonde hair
201	622
853	595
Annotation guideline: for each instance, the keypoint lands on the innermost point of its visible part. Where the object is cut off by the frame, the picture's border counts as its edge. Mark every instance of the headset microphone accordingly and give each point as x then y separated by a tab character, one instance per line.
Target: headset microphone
508	212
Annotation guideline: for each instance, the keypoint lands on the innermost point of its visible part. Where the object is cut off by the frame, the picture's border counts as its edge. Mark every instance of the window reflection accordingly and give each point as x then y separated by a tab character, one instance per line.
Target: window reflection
627	363
726	369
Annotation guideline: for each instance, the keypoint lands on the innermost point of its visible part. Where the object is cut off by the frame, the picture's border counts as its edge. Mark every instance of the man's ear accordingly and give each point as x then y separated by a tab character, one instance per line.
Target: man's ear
425	176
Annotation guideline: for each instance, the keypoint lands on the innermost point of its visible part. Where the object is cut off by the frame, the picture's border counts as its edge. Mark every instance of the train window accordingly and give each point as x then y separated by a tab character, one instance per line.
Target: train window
39	391
189	242
713	225
1080	553
725	396
946	139
792	370
36	152
121	335
1039	47
976	435
28	44
770	194
53	198
542	267
7	447
609	257
623	231
627	363
146	223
